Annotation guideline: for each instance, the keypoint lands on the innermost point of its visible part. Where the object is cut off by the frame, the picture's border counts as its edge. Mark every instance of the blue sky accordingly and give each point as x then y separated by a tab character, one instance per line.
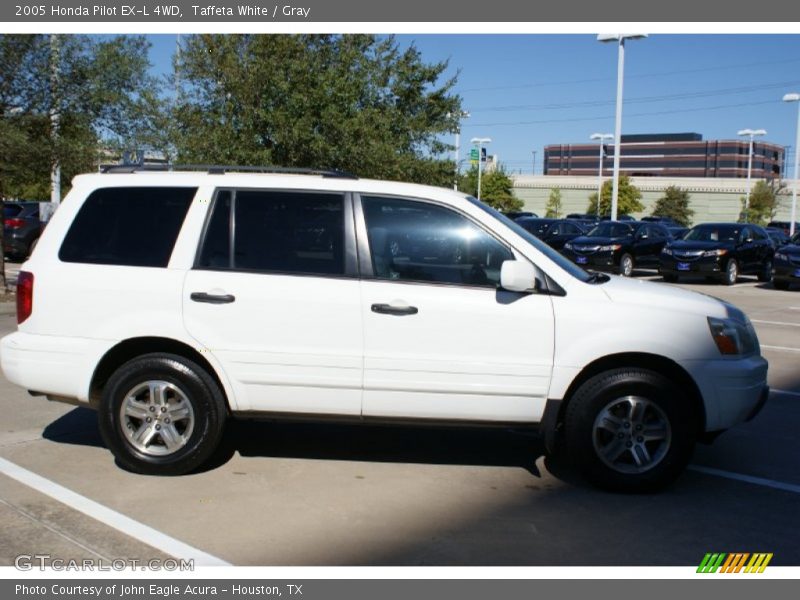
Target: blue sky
527	91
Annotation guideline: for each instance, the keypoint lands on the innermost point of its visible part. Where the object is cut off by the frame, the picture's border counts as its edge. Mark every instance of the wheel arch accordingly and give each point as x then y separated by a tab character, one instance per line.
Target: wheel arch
131	348
652	362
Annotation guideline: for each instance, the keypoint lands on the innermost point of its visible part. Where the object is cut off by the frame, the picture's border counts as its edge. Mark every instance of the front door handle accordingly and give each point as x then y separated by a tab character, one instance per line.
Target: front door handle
389	309
212	298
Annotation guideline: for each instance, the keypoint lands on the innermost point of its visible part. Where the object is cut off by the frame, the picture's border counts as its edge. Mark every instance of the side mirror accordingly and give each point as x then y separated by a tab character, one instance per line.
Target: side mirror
517	276
643	236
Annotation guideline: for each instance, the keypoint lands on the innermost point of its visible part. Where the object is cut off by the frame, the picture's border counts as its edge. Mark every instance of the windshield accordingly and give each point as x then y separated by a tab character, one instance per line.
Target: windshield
713	233
561	261
611	230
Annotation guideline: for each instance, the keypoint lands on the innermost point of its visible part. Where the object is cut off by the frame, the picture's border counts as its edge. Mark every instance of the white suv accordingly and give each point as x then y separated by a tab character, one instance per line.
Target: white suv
170	301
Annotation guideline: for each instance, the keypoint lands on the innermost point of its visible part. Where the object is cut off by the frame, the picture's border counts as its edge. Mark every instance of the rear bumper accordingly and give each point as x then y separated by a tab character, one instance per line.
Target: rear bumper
734	391
52	365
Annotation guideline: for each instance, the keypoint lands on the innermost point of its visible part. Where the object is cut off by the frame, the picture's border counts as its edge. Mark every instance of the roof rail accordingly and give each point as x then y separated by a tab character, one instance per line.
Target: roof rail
222	169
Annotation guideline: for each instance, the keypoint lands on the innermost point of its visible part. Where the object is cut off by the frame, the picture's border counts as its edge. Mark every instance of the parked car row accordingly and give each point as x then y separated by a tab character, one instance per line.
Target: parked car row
719	251
21	228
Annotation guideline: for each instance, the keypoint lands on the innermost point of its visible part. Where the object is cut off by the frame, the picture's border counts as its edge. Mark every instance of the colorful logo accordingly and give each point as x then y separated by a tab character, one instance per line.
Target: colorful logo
734	563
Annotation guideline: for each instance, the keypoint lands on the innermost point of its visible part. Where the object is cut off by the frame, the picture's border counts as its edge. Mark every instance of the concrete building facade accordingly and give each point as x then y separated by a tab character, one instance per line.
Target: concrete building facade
712	199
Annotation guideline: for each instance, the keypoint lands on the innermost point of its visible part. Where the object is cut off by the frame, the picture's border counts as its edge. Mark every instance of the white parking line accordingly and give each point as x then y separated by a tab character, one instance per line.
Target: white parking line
770	483
783	348
782	323
112	518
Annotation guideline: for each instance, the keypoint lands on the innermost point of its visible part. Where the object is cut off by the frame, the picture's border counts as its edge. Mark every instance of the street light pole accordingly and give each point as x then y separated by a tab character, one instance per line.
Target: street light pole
620	39
794	98
480	142
600	137
750	133
457	151
533	170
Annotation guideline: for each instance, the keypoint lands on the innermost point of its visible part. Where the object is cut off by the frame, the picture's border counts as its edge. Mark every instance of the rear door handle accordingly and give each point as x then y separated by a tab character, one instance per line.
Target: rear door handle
212	298
389	309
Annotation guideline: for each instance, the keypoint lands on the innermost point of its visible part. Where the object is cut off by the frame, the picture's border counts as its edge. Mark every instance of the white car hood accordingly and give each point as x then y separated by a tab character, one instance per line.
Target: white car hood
661	296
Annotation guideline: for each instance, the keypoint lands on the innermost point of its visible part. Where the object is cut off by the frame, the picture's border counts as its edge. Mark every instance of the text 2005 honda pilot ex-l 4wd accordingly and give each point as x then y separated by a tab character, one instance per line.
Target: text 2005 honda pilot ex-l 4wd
170	301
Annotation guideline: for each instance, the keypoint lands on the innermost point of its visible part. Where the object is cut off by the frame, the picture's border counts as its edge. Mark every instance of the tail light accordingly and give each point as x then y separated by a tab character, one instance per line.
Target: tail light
24	296
14	223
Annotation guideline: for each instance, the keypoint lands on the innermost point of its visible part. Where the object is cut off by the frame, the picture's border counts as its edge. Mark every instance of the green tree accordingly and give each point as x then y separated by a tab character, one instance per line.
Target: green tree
496	189
357	103
628	200
764	203
674	204
553	210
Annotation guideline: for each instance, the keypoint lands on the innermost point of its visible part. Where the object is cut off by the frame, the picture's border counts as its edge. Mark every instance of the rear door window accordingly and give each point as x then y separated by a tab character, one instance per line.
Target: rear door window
131	226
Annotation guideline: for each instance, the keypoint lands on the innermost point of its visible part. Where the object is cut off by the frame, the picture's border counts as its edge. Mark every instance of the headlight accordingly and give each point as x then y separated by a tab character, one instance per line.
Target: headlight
609	248
667	251
733	337
720	252
781	256
568	246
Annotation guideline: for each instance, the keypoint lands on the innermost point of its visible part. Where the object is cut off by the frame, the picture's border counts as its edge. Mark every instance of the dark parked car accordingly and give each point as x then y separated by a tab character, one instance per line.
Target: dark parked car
785	225
514	215
719	250
786	266
584	221
619	218
618	246
22	228
677	231
778	237
554	232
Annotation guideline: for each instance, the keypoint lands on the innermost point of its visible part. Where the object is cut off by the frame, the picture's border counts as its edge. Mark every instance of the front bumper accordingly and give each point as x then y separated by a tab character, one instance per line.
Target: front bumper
733	390
600	261
669	265
786	271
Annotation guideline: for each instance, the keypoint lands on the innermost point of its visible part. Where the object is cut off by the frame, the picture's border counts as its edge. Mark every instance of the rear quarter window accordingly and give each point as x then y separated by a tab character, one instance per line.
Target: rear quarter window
133	226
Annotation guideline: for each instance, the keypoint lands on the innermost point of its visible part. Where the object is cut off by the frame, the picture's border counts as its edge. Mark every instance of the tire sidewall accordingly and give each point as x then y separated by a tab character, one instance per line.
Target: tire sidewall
199	389
625	258
727	277
594	395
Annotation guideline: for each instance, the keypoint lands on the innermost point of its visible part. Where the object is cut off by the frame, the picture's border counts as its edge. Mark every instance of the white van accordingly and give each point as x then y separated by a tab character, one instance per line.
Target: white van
171	301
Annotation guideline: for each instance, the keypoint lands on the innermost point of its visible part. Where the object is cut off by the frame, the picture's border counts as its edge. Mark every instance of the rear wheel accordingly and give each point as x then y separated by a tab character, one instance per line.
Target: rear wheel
161	414
626	265
731	273
630	430
765	274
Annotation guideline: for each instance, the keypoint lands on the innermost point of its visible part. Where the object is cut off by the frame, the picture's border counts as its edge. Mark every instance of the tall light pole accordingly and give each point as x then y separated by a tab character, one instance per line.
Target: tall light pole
750	133
533	165
480	142
457	151
619	38
601	137
794	98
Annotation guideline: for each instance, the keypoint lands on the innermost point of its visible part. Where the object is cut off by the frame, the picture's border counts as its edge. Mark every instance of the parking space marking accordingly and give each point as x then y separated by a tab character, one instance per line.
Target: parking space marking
775	323
112	518
783	348
770	483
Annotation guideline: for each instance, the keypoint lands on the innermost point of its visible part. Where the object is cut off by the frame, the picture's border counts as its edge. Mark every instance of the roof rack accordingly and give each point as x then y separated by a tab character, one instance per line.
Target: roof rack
222	169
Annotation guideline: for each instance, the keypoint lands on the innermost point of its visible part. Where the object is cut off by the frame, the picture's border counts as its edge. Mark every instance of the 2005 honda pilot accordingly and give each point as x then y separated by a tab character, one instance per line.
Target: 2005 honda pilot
171	301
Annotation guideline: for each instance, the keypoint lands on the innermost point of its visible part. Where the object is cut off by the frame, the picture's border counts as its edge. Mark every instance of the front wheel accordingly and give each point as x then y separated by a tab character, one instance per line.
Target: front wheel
626	265
161	414
630	430
731	272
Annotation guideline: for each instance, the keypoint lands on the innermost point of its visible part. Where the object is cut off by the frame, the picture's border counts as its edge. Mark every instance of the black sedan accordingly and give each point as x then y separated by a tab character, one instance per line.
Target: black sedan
786	266
720	251
618	246
554	232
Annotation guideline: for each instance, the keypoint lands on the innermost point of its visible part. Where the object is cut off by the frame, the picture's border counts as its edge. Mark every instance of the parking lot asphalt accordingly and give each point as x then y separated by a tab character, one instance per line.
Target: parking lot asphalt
330	494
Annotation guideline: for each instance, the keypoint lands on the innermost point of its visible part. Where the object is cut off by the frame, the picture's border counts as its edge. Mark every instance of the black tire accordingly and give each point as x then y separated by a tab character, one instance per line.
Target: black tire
780	284
170	382
731	273
659	401
765	275
669	278
626	265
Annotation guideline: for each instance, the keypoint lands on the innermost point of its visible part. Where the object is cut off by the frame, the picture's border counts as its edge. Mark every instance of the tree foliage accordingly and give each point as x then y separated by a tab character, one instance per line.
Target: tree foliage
763	205
355	102
628	201
553	209
496	189
103	96
674	204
